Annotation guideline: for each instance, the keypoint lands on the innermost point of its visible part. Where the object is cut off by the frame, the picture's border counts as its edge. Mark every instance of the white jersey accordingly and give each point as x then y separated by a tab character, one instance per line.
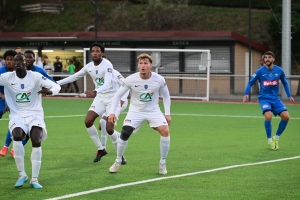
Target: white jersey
101	75
120	80
144	93
21	94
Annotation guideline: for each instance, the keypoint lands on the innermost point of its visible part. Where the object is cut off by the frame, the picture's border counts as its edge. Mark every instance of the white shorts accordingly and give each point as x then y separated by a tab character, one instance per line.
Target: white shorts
102	103
135	119
26	123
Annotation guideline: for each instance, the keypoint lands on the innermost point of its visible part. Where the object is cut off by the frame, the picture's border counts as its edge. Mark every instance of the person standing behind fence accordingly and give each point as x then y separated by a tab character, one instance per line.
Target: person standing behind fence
269	76
145	88
57	68
71	70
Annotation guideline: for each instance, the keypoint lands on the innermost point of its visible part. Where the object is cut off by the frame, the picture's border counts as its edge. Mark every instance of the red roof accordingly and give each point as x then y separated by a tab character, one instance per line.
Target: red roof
132	35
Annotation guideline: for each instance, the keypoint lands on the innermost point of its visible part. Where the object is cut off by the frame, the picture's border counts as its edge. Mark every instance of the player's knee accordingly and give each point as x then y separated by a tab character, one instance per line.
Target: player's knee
36	136
126	132
88	123
163	130
285	116
110	128
18	134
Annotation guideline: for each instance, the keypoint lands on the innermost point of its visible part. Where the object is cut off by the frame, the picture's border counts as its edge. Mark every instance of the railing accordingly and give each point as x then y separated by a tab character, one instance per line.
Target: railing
43	7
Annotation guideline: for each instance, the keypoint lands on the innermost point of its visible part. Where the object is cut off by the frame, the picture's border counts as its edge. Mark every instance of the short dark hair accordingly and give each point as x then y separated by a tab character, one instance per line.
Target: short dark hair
270	53
9	53
30	51
96	44
20	54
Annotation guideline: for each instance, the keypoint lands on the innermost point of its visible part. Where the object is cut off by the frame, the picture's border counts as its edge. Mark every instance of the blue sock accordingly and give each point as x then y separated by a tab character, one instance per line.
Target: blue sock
281	127
268	128
8	139
24	142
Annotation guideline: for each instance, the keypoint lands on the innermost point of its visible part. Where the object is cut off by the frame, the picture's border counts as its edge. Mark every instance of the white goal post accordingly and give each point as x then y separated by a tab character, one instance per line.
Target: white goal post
187	71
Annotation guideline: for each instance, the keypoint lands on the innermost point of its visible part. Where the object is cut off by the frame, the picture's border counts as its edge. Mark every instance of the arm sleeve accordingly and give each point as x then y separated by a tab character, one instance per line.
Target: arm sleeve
125	96
116	100
285	85
107	80
43	72
81	73
251	82
54	87
1	80
164	91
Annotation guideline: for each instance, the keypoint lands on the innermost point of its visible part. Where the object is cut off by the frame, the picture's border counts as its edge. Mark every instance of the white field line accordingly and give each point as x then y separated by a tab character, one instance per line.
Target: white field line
179	114
170	177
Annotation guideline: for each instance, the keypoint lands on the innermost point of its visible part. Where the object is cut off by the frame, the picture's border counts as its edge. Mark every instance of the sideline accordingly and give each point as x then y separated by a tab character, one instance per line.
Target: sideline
170	177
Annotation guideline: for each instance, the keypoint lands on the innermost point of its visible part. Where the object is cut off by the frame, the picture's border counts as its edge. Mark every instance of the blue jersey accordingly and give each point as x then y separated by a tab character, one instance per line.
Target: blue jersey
269	82
42	71
2	102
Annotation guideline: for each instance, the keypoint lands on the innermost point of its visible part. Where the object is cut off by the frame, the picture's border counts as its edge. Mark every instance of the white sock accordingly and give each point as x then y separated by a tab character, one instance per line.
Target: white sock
270	140
164	148
36	161
277	137
94	136
121	149
19	156
104	133
114	139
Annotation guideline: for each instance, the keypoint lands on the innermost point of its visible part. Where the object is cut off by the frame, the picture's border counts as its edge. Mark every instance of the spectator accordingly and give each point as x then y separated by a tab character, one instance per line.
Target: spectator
77	64
2	61
38	62
72	87
57	68
48	65
18	49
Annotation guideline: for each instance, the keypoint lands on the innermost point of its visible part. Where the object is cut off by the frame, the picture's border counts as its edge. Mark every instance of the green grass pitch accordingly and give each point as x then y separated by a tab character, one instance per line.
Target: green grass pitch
210	145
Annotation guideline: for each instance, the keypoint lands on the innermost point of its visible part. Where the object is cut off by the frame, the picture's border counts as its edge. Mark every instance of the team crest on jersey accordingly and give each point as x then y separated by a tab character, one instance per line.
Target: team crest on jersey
22	86
109	70
146	87
276	75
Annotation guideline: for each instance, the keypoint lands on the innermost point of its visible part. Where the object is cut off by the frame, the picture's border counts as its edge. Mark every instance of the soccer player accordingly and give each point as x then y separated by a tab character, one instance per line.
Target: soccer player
102	123
105	87
30	59
269	101
8	67
23	90
145	88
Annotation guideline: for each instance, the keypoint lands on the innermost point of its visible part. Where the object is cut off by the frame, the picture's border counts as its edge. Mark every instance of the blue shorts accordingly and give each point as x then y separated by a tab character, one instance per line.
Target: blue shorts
275	106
